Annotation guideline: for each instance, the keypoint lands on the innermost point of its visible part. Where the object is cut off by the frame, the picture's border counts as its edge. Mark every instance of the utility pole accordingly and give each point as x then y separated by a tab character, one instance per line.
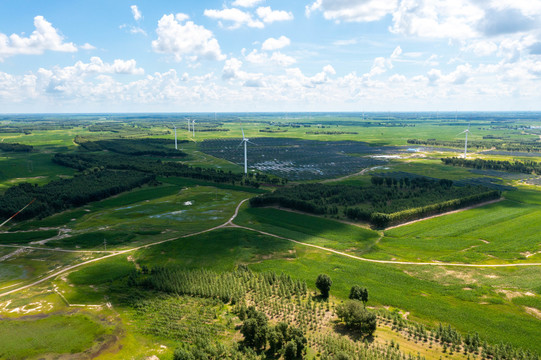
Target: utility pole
105	244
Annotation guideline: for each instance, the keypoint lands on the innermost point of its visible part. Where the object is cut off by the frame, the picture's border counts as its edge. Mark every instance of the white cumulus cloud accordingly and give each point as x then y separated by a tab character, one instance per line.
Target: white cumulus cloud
269	16
88	46
246	3
482	47
282	59
352	10
97	66
275	44
262	58
137	15
232	71
438	19
236	16
44	37
186	39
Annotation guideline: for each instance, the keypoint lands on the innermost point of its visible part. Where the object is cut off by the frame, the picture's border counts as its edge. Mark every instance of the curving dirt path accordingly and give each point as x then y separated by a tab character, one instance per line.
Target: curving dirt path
60	250
388	261
362	172
230	224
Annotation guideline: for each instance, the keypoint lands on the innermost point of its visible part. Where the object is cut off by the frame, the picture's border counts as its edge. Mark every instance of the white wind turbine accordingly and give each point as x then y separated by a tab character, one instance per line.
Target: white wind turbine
176	147
193	128
245	141
467	131
188	126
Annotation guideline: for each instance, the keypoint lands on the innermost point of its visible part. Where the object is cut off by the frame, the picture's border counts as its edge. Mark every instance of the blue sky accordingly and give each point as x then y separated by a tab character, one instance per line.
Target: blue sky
269	55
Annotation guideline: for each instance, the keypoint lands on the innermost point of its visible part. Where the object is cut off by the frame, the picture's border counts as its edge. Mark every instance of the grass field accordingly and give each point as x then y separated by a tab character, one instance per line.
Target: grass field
309	229
500	232
26	237
35	168
53	335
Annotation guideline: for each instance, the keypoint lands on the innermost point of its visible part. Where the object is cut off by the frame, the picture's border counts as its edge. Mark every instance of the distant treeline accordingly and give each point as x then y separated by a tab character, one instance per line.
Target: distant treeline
157	167
27	128
13	130
63	194
134	147
331	133
106	126
526	167
211	130
15	147
522	146
387	201
273	131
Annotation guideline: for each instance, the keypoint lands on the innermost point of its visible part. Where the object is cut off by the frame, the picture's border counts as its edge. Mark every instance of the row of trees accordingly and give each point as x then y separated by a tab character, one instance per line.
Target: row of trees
15	147
411	182
332	133
453	341
525	167
522	146
229	287
62	194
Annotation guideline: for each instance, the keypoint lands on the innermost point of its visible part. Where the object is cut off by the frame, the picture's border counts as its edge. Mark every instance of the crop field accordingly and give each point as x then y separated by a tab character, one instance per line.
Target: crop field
101	300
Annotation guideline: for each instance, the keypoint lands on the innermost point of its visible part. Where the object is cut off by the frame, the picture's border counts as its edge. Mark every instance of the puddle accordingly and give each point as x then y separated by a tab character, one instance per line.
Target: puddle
168	215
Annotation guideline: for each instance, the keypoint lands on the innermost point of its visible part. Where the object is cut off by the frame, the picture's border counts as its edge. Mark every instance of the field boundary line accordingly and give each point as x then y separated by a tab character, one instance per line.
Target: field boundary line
385	261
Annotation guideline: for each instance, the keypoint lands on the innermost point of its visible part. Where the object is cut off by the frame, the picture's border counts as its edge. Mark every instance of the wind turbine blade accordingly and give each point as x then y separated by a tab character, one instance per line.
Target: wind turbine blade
242	132
462	132
251	142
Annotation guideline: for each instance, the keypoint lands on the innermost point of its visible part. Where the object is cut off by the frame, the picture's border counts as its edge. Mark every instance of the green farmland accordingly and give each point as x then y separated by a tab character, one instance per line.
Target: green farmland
81	283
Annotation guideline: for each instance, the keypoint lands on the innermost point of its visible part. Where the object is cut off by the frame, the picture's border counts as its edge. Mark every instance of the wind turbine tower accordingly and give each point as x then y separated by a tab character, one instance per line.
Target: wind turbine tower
193	128
245	141
188	126
467	131
176	147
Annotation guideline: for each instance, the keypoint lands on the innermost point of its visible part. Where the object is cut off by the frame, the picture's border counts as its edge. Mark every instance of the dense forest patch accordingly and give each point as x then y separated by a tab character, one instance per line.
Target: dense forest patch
385	202
526	167
159	168
133	147
15	147
63	194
